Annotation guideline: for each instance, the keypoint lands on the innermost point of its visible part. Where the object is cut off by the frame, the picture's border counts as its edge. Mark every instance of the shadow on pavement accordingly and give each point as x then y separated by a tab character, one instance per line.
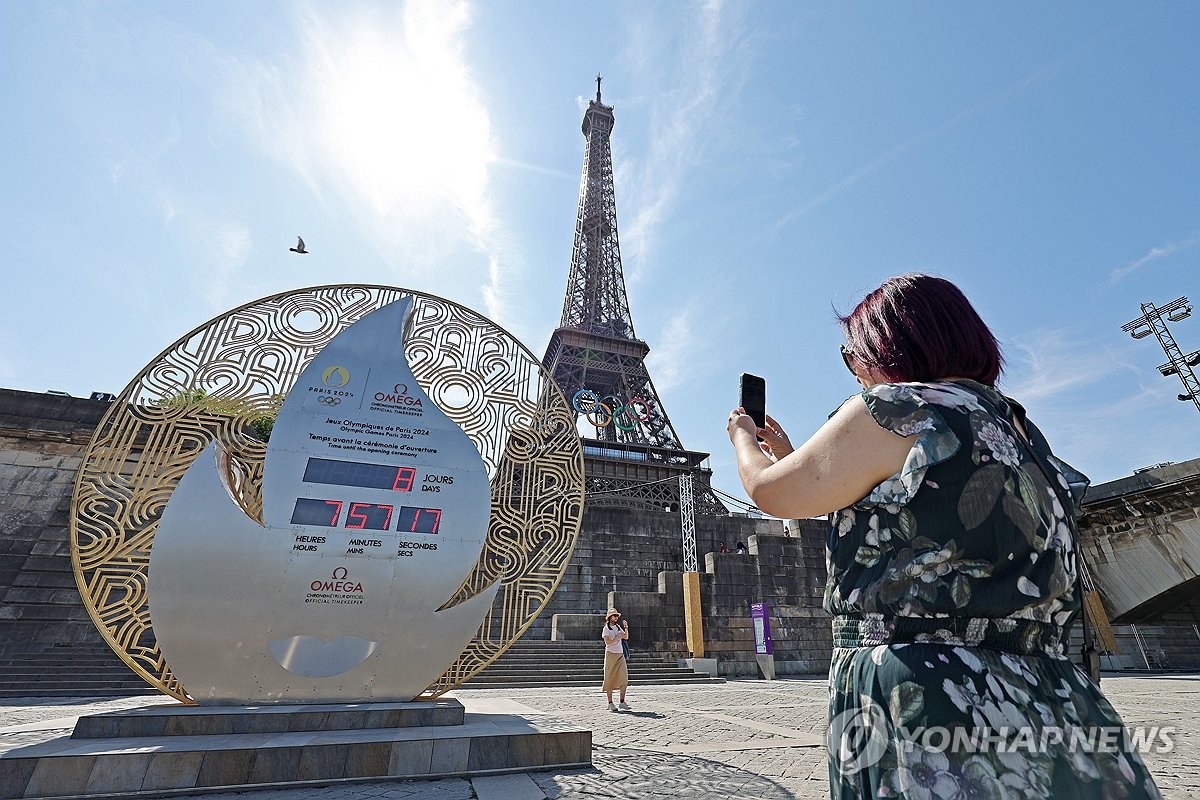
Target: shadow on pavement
619	772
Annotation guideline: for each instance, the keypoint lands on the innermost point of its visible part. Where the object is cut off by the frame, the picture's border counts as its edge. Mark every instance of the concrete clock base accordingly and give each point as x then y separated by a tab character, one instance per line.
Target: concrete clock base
154	750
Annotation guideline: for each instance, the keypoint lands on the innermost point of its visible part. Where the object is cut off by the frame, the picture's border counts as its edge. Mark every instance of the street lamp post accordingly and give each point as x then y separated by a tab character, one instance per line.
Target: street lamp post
1154	320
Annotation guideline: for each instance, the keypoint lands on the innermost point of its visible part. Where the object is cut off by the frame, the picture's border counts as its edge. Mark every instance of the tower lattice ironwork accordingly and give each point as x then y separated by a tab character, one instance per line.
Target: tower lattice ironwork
634	457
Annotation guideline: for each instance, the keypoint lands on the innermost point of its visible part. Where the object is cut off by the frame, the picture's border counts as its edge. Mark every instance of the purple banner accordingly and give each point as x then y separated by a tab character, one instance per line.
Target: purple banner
760	615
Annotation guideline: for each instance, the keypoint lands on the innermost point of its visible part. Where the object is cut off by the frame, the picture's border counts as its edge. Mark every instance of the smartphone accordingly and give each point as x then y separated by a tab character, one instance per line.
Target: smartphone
754	398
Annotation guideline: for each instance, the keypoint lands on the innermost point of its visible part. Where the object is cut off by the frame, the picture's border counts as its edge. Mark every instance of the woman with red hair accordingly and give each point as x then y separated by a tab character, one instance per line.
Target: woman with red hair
952	557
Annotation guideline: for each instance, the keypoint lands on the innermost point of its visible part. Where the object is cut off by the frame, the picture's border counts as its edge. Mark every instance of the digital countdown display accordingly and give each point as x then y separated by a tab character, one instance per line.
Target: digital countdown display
419	520
353	473
364	516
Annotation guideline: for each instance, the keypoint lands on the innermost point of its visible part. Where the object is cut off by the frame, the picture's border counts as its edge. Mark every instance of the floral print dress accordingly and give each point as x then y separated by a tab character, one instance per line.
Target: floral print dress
953	589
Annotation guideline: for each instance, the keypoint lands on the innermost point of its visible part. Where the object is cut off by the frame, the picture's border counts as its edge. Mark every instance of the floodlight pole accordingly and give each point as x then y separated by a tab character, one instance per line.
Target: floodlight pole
1152	321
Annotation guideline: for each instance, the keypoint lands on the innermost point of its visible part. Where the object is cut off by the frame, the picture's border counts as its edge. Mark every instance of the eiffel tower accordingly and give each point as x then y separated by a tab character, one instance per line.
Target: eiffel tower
635	458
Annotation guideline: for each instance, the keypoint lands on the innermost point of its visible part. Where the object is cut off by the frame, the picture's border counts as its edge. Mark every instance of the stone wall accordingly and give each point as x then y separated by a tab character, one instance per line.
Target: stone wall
42	439
1187	614
625	550
786	572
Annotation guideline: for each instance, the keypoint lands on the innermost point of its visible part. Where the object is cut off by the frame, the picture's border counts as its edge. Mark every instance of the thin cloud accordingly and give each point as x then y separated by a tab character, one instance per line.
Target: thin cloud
379	111
1152	255
1099	402
707	77
1047	364
670	362
525	166
1124	427
223	246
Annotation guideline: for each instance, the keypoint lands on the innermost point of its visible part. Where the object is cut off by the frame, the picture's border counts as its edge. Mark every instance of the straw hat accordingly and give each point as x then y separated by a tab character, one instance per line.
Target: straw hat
611	612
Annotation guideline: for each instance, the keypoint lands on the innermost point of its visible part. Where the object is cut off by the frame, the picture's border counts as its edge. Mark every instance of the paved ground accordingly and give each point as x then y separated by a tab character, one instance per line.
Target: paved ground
744	739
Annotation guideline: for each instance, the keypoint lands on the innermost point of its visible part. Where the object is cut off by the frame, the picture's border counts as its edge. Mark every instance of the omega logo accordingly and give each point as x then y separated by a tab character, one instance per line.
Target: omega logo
398	396
338	583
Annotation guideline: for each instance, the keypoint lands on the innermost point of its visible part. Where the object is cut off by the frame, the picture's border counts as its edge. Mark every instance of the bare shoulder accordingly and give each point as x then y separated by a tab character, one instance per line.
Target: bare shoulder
841	463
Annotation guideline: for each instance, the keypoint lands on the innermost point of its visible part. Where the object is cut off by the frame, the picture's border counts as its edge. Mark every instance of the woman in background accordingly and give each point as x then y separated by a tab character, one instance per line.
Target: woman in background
952	568
616	670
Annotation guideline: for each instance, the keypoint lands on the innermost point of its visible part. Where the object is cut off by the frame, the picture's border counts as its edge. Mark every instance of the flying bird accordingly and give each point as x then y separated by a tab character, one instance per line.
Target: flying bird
299	248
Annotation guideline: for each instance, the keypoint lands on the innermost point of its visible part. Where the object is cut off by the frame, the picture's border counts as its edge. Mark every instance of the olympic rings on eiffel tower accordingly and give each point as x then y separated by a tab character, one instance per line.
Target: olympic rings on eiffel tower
609	410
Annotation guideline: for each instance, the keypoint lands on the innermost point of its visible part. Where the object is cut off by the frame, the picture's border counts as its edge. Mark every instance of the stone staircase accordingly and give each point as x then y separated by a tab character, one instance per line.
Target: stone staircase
78	670
93	670
569	663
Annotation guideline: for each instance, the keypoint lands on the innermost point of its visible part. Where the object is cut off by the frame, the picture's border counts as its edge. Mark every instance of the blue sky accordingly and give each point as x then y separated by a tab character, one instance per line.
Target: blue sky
775	161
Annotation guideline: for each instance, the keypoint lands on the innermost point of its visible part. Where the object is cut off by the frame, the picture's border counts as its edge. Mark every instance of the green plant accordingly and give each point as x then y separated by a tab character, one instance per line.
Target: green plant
258	420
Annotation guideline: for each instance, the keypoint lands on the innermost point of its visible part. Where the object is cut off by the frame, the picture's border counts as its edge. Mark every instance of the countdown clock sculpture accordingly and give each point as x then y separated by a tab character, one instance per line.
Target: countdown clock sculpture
412	511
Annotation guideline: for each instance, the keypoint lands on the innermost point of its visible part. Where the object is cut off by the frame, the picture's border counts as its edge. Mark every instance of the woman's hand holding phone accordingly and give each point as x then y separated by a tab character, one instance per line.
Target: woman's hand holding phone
775	441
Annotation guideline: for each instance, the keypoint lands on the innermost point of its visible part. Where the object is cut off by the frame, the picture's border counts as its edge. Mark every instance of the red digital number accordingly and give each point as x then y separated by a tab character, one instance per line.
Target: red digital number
404	479
359	513
360	519
437	518
337	511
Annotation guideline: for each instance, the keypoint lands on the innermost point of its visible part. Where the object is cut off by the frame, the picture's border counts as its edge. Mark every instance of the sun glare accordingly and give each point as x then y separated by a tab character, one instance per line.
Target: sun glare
400	113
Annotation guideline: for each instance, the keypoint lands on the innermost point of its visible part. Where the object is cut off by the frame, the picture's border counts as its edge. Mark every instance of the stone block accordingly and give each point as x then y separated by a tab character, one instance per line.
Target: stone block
185	725
569	747
490	752
298	721
251	722
97	726
528	750
36	459
63	775
412	757
368	760
143	726
706	665
225	768
576	627
47	563
122	772
274	764
221	725
14	776
449	756
321	762
52	547
44	580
